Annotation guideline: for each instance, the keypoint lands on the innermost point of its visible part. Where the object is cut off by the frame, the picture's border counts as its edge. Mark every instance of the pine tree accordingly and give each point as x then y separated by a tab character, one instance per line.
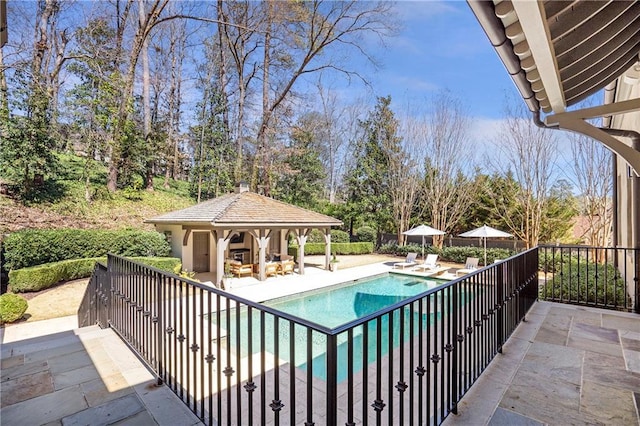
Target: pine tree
369	193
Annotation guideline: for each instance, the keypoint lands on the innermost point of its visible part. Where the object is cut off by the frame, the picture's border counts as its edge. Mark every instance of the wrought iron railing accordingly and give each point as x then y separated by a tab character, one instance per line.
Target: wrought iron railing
233	361
601	277
93	307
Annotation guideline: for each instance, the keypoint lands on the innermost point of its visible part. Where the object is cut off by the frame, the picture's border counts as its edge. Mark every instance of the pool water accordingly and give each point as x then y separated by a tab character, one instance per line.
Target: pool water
333	307
341	304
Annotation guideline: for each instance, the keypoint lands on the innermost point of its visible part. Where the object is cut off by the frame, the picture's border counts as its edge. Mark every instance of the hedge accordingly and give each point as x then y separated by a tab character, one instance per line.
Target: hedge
12	307
336	248
582	281
337	236
33	247
449	254
41	277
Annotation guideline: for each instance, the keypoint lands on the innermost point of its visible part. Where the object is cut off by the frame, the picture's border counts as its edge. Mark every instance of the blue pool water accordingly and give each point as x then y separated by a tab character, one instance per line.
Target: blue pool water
332	307
341	304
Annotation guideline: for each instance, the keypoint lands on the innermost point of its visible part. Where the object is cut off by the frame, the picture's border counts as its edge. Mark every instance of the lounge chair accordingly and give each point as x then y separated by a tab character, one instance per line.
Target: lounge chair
238	269
409	261
470	265
429	264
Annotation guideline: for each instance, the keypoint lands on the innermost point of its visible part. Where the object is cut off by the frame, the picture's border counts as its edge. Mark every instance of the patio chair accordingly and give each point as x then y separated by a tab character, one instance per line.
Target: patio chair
271	269
238	269
429	264
470	265
409	261
287	266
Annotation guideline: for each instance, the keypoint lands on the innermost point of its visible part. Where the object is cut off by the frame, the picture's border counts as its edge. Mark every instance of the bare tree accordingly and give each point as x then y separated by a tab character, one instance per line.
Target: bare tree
4	92
146	98
406	175
448	192
591	164
126	93
238	43
332	137
528	152
295	36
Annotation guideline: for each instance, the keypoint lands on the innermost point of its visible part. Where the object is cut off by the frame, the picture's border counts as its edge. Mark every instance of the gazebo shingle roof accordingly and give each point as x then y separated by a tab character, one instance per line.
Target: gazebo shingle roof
245	208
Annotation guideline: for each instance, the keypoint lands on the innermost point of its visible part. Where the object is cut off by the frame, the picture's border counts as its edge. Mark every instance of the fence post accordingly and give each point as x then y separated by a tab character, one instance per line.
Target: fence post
456	348
636	278
160	284
332	370
109	281
500	311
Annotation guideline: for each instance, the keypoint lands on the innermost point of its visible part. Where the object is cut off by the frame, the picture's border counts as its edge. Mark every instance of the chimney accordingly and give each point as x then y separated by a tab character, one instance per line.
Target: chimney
242	187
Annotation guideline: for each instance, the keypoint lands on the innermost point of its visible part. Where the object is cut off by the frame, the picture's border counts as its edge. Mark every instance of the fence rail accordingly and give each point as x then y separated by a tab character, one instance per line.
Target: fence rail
233	361
601	277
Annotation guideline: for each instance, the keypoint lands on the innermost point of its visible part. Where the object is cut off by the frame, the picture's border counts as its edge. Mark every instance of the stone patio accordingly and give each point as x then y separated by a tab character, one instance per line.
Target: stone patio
56	374
566	365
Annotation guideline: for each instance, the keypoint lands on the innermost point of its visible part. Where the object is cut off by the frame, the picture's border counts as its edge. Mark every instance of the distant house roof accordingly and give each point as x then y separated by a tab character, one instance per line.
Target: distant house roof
245	209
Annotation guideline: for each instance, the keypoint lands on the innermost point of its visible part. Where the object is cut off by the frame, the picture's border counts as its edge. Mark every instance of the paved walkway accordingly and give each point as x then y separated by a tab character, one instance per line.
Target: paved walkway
53	373
566	365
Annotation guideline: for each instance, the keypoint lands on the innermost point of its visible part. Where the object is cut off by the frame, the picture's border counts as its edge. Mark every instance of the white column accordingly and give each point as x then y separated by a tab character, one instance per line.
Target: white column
262	239
222	242
301	237
327	248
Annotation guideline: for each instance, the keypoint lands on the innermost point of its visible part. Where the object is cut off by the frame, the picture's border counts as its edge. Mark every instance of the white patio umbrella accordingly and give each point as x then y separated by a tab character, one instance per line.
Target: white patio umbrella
423	230
484	232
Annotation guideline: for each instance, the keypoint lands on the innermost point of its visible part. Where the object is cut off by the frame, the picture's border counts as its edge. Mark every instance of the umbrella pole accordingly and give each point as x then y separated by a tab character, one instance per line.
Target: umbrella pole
423	248
485	251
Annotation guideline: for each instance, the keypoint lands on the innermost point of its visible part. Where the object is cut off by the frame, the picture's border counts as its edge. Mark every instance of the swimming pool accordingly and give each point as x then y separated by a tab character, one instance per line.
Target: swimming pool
338	305
332	307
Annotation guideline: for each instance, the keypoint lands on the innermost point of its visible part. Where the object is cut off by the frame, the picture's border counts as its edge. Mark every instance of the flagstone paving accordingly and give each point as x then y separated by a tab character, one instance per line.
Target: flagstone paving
566	365
53	373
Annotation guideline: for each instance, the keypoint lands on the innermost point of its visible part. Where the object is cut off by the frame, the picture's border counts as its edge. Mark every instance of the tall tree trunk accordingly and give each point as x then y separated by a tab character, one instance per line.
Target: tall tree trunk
222	76
144	28
261	162
146	100
4	100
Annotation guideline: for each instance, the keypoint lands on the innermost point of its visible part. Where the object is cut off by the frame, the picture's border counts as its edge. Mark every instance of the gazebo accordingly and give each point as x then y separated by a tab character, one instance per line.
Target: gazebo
243	226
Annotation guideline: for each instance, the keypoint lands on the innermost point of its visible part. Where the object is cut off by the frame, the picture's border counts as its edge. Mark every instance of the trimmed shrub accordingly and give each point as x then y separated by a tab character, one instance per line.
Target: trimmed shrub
366	234
12	307
41	277
449	254
315	236
581	281
33	247
336	248
338	236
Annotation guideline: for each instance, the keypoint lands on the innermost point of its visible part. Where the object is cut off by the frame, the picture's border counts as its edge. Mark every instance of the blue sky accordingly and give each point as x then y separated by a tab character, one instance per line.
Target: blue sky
442	46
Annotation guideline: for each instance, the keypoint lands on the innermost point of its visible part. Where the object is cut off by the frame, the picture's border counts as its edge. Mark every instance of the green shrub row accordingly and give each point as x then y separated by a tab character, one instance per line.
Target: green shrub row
581	281
449	254
41	277
336	248
337	236
12	307
33	247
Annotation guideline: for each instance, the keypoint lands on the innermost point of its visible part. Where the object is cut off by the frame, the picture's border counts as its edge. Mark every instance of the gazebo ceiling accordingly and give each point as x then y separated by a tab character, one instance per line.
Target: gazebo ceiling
561	52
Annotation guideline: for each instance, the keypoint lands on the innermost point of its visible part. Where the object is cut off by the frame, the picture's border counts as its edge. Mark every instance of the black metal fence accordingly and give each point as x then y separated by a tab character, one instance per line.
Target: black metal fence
601	277
233	361
93	308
